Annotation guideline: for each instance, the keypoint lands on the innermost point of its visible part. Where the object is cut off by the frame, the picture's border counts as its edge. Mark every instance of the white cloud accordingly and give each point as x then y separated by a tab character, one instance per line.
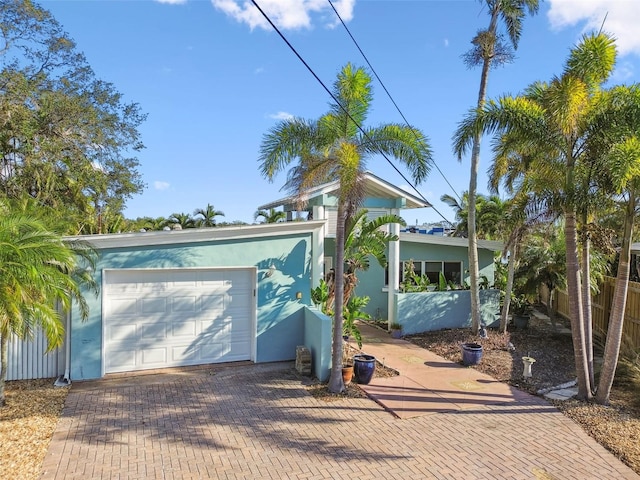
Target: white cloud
172	2
620	19
159	185
446	42
281	116
259	70
285	14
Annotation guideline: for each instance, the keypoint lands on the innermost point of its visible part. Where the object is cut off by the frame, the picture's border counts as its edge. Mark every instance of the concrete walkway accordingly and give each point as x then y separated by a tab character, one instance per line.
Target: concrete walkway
259	422
429	383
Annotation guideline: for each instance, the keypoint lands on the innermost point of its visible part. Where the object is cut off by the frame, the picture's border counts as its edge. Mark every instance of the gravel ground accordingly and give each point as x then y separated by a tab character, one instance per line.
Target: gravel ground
27	423
33	407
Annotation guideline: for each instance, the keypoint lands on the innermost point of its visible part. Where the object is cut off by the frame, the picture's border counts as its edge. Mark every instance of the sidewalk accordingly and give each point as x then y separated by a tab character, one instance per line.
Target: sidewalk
429	383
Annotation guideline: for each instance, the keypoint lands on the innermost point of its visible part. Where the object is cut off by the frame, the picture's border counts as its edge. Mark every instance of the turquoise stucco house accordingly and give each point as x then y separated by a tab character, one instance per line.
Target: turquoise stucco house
211	295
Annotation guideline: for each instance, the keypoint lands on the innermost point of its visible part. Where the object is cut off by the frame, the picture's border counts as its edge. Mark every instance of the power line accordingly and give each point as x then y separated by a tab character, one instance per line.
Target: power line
339	104
387	91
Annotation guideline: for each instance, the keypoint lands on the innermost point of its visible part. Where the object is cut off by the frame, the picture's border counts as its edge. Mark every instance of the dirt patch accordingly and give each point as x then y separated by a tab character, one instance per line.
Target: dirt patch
502	353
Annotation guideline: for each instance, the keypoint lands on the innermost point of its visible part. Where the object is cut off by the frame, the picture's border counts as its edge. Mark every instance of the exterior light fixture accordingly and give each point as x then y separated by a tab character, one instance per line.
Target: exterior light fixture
271	271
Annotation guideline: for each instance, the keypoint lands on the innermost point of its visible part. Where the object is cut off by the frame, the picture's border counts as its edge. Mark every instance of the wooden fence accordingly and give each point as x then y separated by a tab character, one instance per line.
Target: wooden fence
601	307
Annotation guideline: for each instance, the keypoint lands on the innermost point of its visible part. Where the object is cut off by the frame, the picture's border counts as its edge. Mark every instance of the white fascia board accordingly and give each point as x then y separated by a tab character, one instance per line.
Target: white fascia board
376	183
491	245
196	235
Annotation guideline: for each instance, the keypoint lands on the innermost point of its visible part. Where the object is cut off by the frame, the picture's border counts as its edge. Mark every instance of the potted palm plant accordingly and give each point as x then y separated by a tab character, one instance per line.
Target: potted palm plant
521	311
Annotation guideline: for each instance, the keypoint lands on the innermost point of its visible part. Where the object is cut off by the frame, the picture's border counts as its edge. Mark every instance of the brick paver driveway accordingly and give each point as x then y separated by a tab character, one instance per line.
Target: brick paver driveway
258	421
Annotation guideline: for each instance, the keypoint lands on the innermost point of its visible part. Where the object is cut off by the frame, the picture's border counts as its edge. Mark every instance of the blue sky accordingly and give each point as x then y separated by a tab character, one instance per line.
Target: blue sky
213	77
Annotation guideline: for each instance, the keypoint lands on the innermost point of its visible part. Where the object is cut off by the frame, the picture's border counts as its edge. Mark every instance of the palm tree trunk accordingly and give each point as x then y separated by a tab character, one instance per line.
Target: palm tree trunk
4	341
509	286
586	302
575	305
474	273
336	384
616	318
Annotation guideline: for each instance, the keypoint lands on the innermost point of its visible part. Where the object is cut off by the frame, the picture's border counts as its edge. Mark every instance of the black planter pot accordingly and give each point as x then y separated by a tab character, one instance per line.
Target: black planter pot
521	321
363	368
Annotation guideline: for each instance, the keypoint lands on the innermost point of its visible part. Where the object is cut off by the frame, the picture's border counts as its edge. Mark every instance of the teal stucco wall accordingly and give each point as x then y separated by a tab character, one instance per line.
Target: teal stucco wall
429	311
279	316
371	282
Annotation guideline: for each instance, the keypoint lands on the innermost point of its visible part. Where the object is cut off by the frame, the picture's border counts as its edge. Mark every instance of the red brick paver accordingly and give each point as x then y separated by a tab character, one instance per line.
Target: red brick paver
259	422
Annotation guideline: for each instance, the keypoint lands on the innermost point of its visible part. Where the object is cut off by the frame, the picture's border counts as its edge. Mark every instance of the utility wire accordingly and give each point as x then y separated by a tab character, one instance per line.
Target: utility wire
255	3
387	91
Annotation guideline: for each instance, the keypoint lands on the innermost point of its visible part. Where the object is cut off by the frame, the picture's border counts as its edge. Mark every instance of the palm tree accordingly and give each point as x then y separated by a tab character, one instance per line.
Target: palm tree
207	216
490	211
335	148
554	119
363	239
461	211
270	216
489	50
616	143
183	220
37	270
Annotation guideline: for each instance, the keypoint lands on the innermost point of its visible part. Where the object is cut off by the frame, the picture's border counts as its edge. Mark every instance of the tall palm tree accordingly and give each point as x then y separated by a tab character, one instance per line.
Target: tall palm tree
555	118
616	144
489	50
270	216
206	217
335	148
37	270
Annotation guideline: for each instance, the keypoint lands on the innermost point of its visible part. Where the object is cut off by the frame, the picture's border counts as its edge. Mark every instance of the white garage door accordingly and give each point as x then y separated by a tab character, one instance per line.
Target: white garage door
175	317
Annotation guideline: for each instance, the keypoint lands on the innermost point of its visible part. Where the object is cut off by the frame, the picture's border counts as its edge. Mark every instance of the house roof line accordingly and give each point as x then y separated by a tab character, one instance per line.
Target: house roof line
191	235
491	245
379	184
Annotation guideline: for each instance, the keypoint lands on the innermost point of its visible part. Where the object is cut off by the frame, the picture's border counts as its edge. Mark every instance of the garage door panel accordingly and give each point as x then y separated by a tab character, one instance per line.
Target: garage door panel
174	318
153	305
120	360
183	329
211	278
122	333
154	357
212	303
184	303
158	331
124	306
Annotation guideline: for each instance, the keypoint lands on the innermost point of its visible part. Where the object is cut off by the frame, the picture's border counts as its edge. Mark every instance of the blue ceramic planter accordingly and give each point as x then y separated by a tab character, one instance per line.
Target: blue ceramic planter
363	368
471	353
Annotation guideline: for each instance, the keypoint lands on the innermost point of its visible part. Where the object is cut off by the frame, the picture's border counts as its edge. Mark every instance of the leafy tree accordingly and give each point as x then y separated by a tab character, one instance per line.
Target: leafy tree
555	119
335	148
66	137
270	216
37	270
206	217
489	50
